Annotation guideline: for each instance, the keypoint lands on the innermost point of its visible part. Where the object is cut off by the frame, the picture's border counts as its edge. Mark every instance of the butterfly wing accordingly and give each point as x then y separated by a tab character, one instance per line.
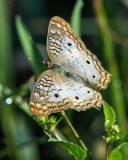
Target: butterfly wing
54	92
66	49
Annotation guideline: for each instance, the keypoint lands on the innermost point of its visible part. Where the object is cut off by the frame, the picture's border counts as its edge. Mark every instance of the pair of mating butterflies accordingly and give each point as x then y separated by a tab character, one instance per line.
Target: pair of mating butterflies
78	80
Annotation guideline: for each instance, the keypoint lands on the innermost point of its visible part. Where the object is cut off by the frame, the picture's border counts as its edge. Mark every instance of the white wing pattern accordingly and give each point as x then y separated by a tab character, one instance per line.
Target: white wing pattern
54	91
66	49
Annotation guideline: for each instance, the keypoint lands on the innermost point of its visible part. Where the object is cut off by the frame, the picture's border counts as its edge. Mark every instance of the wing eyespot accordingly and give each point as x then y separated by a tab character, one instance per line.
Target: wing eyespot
88	91
69	44
93	76
56	95
76	97
88	62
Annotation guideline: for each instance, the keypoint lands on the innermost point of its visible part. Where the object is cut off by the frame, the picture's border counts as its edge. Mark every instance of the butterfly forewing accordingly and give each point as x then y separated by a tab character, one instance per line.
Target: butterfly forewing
66	49
54	92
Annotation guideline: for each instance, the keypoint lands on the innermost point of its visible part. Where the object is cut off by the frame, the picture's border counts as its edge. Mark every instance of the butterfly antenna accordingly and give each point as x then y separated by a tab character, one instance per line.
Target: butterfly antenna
37	60
37	49
33	42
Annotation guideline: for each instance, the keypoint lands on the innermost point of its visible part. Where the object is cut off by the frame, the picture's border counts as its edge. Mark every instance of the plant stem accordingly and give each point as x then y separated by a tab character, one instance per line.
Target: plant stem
74	131
107	152
116	89
57	136
76	135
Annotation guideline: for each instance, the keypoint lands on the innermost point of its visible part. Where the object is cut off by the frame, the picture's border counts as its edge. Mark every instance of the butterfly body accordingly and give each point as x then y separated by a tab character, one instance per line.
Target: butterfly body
76	77
82	67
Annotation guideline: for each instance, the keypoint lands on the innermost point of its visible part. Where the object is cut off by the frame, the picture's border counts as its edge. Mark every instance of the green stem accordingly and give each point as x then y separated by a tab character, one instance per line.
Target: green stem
6	69
56	135
76	135
74	131
116	90
107	152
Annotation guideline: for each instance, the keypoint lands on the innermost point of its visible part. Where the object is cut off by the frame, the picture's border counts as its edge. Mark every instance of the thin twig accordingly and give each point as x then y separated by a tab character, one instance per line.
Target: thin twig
74	131
107	152
105	27
76	135
56	135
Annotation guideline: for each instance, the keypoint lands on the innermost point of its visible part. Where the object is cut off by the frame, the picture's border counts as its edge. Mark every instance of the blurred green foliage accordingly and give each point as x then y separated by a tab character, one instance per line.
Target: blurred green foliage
21	137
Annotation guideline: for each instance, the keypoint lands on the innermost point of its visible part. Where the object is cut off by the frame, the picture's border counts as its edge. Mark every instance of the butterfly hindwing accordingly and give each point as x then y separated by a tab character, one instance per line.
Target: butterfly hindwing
54	92
66	49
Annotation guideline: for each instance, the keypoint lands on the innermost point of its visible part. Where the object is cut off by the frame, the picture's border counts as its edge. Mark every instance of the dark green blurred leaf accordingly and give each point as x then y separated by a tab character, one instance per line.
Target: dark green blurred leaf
76	151
30	49
125	2
120	152
6	58
123	139
111	59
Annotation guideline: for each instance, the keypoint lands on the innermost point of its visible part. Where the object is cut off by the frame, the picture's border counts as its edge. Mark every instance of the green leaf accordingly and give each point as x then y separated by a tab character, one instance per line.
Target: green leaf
6	56
76	17
109	114
29	47
112	129
120	152
49	123
76	151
